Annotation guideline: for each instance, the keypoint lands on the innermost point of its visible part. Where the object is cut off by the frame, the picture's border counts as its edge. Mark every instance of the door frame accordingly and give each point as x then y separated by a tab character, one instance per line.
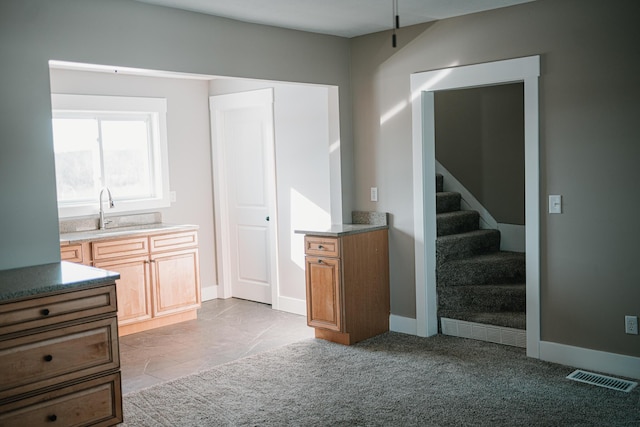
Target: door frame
221	183
423	86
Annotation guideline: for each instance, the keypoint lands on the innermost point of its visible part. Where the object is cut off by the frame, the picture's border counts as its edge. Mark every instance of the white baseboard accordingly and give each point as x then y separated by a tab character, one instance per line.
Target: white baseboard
209	293
594	360
291	305
512	237
405	325
482	332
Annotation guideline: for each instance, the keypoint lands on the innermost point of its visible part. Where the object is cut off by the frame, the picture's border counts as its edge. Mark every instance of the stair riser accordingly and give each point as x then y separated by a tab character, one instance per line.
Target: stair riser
439	182
447	202
483	299
482	273
467	245
467	221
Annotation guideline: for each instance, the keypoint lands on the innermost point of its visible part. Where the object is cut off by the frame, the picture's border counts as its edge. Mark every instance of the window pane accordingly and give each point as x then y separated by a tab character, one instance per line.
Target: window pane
77	158
127	168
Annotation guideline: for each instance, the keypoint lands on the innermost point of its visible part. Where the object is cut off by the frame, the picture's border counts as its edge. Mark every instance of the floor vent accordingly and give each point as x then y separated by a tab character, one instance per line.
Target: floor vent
602	380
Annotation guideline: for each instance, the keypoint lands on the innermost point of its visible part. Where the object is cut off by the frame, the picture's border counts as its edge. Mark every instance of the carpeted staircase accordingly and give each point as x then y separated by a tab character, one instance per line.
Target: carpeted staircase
476	282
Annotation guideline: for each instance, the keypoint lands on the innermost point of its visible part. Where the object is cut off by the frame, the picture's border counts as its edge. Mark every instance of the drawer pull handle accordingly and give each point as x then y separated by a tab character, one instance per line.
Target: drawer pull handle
45	312
52	417
48	358
320	247
319	261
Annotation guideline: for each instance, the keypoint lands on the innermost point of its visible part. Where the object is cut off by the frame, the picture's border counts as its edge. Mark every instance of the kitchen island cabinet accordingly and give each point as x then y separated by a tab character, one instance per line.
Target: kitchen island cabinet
59	347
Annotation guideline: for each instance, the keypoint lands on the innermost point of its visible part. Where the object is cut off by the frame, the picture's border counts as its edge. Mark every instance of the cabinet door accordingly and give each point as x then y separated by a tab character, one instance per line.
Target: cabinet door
133	289
324	299
176	282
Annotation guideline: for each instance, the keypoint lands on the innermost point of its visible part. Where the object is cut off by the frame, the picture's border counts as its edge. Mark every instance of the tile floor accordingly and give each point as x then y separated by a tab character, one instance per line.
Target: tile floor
224	331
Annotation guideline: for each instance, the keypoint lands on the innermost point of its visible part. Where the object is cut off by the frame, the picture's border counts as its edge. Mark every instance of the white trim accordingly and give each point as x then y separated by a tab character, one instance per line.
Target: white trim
209	293
423	86
291	305
468	202
512	237
404	325
595	360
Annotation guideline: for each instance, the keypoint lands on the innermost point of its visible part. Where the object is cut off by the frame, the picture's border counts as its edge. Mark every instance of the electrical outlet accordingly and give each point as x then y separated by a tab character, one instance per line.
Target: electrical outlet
172	196
631	325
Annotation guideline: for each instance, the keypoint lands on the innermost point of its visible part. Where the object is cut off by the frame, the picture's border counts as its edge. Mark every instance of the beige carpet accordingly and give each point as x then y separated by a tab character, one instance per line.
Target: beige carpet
391	380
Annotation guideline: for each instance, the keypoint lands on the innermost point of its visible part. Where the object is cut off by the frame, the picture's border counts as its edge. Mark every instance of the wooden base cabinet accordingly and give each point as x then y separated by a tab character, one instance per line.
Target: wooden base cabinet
159	281
160	278
347	280
59	360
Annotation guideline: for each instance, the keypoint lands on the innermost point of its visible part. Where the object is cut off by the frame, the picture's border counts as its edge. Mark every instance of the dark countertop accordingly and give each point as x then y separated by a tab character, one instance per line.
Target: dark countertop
40	280
111	233
340	230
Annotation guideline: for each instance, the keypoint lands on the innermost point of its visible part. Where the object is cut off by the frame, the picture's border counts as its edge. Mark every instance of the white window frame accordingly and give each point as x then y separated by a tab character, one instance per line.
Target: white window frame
67	104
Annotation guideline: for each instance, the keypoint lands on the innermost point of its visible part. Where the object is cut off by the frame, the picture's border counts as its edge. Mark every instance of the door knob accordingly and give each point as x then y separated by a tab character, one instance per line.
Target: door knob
267	218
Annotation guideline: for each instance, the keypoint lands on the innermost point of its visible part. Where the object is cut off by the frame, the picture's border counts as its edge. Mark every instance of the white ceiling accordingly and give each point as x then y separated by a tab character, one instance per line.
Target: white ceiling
345	18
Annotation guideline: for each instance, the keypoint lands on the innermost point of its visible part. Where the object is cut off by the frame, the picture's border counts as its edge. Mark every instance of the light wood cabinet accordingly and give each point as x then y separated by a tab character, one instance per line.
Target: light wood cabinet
60	360
159	280
347	281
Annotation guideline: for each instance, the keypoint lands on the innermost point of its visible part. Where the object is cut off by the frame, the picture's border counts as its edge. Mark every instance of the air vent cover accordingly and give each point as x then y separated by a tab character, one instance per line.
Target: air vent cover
602	380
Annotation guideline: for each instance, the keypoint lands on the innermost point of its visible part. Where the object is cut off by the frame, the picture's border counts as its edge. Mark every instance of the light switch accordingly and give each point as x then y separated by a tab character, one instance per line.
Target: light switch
374	194
555	204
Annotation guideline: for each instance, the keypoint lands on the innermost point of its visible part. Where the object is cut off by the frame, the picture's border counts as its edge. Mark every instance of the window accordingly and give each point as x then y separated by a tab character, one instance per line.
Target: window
114	142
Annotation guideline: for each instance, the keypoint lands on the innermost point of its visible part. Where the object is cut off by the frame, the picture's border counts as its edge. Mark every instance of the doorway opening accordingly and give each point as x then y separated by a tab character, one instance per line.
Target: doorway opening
423	88
480	206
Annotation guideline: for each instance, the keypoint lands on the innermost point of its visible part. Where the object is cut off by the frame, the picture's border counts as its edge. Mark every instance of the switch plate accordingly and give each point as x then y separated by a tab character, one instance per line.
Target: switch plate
631	325
374	194
555	204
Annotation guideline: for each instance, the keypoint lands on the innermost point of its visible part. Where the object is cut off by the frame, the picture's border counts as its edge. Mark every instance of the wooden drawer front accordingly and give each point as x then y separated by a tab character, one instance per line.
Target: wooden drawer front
107	249
37	312
174	241
321	246
97	403
72	253
50	357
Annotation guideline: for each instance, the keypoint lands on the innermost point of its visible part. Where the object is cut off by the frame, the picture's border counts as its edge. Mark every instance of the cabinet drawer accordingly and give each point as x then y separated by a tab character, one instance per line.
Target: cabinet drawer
107	249
321	246
96	403
50	357
37	312
72	253
174	241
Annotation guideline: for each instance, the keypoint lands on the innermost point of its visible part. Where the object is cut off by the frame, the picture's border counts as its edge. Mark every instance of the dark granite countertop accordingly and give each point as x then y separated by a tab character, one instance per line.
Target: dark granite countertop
110	233
40	280
340	230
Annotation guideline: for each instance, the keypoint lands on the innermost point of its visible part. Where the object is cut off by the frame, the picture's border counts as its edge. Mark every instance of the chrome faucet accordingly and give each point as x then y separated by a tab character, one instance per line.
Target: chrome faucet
103	223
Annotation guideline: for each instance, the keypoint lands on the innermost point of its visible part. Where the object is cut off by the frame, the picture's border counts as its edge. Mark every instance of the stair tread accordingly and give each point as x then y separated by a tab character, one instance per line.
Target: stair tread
508	319
490	257
467	234
457	214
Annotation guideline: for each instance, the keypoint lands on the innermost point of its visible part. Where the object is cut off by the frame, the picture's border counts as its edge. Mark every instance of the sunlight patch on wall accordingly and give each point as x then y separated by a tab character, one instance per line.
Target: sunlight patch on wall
431	82
334	146
393	111
305	215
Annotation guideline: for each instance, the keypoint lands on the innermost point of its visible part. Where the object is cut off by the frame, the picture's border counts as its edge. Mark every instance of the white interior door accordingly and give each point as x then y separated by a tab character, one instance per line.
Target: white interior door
242	129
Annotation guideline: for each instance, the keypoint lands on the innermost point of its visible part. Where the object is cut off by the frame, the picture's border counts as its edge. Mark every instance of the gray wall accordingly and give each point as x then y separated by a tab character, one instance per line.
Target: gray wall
589	151
133	34
480	140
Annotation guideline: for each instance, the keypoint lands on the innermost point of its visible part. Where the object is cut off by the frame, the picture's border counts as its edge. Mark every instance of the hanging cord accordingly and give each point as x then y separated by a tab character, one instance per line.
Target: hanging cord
396	22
